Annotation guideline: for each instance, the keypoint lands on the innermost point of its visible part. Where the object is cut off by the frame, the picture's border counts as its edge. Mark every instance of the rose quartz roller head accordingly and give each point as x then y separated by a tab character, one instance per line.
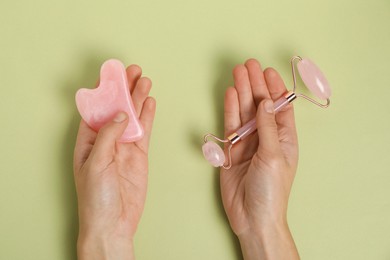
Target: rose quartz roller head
100	105
314	80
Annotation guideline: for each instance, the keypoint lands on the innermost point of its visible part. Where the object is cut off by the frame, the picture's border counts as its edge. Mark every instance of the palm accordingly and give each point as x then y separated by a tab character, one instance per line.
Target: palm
233	182
125	183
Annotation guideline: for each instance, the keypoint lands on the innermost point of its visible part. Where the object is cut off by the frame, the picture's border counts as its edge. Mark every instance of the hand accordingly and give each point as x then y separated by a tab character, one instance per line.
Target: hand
255	190
111	179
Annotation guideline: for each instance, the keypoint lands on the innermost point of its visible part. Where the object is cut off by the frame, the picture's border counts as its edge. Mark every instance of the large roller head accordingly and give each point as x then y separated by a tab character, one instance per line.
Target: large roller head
314	79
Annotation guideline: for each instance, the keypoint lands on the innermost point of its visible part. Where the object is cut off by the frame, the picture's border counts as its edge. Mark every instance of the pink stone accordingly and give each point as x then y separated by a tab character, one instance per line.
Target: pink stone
213	154
100	105
314	79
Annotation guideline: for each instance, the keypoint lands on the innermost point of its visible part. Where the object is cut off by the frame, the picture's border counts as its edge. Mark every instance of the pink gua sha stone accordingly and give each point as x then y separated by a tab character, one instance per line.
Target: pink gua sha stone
314	79
100	105
213	154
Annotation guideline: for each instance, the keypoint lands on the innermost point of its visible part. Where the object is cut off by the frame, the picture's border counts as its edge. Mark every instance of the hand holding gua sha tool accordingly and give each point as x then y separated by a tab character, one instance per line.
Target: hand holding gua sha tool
314	80
100	105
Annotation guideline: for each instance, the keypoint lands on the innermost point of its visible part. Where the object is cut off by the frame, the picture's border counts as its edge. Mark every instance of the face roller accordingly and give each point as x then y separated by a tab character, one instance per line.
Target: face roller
314	80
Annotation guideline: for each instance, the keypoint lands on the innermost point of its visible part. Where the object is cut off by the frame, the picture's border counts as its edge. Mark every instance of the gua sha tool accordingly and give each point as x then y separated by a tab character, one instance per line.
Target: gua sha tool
100	105
314	80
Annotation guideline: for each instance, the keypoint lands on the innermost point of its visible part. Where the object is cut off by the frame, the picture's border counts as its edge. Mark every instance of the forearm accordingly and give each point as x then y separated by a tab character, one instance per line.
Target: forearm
94	248
271	242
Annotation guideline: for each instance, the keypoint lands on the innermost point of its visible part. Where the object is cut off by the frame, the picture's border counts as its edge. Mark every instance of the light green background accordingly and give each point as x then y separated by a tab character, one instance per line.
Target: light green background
340	203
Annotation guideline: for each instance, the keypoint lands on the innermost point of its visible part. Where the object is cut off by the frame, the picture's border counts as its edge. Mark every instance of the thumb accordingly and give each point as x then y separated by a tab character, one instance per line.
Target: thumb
267	128
106	139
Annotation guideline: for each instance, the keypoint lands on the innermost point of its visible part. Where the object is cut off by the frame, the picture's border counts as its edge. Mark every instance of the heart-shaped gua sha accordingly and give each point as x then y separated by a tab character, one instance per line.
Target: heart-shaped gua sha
100	105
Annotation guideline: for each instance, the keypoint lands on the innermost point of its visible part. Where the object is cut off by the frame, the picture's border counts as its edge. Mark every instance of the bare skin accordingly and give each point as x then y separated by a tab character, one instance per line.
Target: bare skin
256	189
111	179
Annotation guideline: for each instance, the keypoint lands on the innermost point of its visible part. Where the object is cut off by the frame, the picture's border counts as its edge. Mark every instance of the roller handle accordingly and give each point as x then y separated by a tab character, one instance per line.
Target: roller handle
250	127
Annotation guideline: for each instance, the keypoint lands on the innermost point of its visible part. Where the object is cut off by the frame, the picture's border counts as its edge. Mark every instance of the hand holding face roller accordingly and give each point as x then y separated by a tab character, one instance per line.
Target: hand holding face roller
314	80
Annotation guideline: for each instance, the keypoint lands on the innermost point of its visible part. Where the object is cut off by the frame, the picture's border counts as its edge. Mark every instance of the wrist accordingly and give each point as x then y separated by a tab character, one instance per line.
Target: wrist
104	248
270	241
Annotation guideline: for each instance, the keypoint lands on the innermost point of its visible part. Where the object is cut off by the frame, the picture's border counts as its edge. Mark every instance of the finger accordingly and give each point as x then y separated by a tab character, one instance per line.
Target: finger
133	73
284	118
85	140
140	93
97	83
104	149
147	117
231	111
267	129
245	98
275	83
257	80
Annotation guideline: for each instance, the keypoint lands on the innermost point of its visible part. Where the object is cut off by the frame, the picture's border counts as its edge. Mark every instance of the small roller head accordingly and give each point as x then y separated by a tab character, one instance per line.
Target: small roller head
213	153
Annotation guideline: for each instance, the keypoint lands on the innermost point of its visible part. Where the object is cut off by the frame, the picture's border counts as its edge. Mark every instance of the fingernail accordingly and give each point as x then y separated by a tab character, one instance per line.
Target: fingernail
120	117
269	106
